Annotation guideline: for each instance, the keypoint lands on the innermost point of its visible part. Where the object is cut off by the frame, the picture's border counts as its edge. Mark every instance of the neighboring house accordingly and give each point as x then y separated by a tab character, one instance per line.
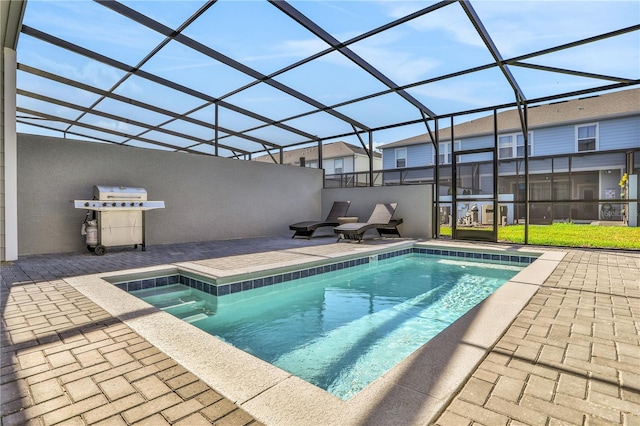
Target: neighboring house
578	150
337	158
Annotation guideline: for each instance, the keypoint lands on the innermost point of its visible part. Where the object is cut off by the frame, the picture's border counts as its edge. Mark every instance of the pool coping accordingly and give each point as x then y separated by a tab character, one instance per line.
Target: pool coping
414	391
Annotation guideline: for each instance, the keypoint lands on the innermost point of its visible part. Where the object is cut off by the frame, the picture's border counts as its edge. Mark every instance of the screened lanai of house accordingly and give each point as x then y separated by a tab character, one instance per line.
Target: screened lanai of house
239	79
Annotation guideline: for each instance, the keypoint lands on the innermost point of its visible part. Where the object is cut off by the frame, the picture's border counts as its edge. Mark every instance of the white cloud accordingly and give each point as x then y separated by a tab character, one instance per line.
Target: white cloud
527	26
295	49
400	66
477	93
117	126
449	20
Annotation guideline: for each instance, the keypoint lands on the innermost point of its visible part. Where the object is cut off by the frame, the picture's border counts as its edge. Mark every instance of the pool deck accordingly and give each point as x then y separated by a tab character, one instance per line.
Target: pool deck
558	345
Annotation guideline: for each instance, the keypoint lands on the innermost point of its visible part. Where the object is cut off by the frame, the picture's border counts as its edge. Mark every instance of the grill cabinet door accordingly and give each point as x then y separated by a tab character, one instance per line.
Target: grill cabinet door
118	228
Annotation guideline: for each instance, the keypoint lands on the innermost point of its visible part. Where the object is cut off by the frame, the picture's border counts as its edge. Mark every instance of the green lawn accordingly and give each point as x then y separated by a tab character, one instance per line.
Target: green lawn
569	234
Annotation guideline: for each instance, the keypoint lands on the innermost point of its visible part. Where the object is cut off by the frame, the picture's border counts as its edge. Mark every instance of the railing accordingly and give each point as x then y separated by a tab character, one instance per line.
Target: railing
543	212
387	177
540	211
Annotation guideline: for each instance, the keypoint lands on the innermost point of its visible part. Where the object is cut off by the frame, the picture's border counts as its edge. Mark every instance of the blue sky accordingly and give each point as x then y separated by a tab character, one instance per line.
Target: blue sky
260	36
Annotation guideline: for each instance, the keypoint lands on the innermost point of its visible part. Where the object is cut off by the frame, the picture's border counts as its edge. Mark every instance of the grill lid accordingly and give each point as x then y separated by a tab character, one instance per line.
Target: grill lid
107	193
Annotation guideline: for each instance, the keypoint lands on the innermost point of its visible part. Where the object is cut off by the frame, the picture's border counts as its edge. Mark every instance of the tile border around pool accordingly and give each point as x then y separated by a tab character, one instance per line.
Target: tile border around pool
214	289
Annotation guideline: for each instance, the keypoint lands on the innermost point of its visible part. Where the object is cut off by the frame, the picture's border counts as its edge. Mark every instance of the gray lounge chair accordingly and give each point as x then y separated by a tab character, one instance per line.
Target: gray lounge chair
381	219
307	228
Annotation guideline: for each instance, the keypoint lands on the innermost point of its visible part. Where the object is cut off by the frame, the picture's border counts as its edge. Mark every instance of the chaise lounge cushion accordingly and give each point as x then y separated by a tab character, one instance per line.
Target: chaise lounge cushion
309	227
381	219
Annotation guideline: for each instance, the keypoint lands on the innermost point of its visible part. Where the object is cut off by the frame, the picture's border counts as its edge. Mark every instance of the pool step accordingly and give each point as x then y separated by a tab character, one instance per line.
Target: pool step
196	317
196	313
175	303
185	307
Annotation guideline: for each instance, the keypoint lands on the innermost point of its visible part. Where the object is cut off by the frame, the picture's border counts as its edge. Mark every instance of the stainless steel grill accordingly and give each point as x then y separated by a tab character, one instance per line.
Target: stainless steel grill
115	217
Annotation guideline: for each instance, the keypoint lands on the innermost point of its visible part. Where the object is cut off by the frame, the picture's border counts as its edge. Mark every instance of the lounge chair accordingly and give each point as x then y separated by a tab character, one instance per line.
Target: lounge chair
381	219
307	229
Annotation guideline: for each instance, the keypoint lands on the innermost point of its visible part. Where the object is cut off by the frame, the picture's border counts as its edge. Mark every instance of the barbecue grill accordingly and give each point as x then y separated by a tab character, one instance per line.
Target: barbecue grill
115	217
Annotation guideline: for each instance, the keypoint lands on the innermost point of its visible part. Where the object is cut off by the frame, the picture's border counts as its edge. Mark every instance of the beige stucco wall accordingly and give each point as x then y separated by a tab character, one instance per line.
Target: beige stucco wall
207	198
415	204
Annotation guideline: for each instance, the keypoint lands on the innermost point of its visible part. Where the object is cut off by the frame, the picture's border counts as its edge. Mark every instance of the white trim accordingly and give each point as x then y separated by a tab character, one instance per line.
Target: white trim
597	136
335	161
446	151
514	145
405	157
10	194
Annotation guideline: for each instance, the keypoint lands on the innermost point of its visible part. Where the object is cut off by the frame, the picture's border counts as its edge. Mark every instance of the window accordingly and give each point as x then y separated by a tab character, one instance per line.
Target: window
444	152
520	145
337	166
587	138
401	158
512	146
505	146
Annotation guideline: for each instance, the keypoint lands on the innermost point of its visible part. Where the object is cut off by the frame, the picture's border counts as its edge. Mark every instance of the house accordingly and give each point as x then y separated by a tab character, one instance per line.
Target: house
578	153
338	158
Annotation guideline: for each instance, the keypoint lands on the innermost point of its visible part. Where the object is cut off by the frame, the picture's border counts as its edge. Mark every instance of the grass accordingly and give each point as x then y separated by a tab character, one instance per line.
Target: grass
569	235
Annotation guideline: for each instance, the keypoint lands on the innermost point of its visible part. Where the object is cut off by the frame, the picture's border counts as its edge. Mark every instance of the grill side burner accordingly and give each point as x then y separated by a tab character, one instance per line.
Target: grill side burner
118	214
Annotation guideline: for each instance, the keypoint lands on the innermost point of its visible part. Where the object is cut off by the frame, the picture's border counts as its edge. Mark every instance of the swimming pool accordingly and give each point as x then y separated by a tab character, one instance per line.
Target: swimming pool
345	327
414	391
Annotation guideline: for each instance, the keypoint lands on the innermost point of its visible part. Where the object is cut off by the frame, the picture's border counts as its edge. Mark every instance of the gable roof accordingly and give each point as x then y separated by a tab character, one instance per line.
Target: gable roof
615	104
330	150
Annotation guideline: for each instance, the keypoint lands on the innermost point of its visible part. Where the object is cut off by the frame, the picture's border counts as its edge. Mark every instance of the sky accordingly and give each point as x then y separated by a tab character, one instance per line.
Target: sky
263	38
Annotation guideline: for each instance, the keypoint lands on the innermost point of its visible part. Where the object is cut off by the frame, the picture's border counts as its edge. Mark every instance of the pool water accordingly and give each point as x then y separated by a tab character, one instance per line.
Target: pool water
341	330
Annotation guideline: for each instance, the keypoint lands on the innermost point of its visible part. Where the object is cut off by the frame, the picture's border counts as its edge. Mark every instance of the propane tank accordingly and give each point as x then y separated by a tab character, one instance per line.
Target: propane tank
92	232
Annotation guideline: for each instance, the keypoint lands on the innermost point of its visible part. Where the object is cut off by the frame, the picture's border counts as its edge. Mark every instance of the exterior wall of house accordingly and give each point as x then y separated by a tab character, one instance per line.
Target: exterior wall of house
388	159
350	164
617	133
554	140
207	198
557	171
478	142
362	163
329	165
417	156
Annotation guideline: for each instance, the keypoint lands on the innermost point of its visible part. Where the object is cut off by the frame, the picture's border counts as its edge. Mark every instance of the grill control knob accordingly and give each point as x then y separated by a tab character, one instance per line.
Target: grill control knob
141	204
104	204
86	204
133	204
124	204
113	204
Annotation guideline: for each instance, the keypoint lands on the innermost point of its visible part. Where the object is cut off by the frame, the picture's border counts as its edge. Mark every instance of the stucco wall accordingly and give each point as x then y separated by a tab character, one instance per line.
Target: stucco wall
207	198
415	204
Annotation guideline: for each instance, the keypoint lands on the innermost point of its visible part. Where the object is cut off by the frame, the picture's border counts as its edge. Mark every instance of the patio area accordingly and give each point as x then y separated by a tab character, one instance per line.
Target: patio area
571	356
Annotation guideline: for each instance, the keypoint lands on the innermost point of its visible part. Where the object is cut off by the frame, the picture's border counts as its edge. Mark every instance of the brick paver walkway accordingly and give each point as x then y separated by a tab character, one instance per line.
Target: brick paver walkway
572	356
66	361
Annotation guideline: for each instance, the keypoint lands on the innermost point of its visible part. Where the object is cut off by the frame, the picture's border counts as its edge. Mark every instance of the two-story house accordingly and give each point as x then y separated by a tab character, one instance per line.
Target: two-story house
339	159
578	153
